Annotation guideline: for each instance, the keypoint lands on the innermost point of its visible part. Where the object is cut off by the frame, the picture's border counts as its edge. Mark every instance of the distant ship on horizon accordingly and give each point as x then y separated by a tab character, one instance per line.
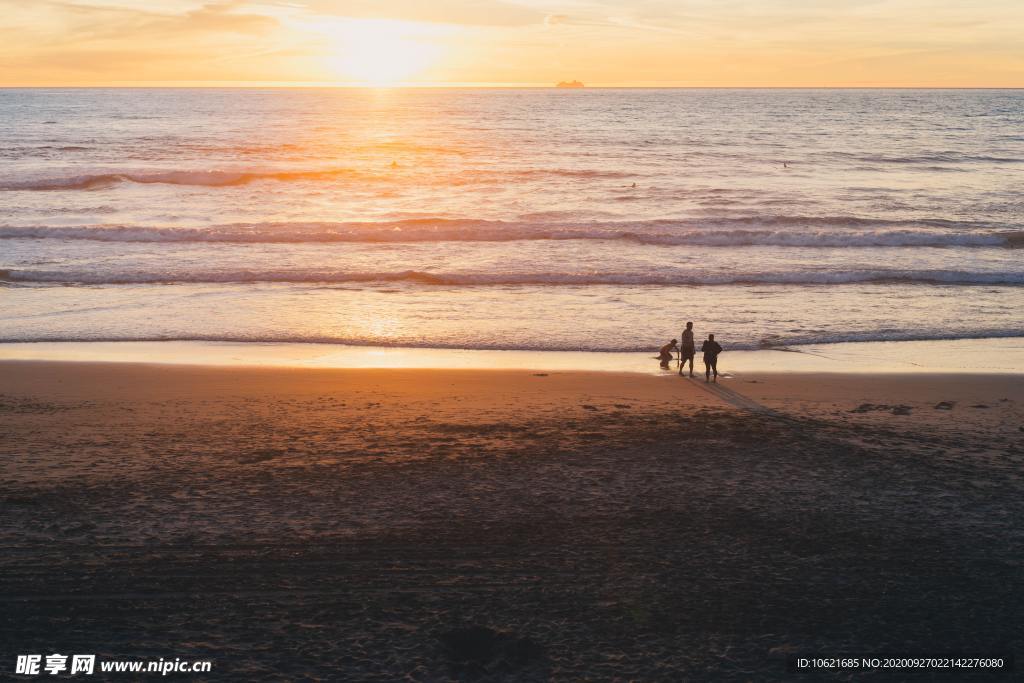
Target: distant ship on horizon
569	84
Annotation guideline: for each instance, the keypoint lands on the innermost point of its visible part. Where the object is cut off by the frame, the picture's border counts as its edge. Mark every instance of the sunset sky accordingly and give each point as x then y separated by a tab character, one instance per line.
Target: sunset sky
506	42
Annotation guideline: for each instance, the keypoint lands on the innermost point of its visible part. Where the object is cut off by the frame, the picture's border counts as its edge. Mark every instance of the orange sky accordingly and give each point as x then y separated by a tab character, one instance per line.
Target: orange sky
946	43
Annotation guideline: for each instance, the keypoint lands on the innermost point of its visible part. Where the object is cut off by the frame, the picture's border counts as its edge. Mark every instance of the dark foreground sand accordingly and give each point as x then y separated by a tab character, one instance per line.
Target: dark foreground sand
434	525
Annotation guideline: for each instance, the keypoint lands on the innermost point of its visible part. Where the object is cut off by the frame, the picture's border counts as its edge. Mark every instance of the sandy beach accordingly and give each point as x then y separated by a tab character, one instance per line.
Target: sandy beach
433	525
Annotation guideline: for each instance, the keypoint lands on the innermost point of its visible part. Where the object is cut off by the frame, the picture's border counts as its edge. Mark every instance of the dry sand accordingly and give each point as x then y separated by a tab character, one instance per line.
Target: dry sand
506	525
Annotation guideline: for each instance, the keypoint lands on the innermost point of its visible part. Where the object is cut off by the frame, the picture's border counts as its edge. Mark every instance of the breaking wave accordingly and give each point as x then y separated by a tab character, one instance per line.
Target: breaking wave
93	181
230	178
834	232
790	342
957	277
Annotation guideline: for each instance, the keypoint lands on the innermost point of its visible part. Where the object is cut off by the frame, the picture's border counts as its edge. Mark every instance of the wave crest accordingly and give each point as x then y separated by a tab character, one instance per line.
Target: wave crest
709	233
957	277
92	181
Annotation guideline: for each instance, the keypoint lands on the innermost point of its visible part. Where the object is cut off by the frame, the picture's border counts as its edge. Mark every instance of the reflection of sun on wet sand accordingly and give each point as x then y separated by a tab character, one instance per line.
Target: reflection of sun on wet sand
536	525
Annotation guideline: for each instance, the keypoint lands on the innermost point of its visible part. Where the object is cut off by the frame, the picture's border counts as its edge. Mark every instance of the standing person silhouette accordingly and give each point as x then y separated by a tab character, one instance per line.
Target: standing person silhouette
711	349
686	349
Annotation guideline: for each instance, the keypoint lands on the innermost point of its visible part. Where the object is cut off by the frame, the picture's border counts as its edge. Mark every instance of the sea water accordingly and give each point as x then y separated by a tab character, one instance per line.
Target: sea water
511	219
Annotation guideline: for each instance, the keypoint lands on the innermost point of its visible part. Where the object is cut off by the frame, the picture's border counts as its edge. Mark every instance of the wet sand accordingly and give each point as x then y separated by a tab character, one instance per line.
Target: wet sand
438	525
947	356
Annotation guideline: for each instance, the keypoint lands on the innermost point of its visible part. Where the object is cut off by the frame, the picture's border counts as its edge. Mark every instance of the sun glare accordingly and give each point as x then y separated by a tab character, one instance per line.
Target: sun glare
379	52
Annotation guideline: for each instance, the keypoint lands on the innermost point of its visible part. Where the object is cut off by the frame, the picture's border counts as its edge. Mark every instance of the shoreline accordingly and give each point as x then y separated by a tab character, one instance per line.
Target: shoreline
995	356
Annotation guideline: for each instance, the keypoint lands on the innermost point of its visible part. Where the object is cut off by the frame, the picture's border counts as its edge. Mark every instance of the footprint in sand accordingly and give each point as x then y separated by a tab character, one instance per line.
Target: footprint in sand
258	456
869	407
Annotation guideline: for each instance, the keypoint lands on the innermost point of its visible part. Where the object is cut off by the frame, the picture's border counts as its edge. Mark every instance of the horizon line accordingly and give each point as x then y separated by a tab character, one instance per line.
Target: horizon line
284	85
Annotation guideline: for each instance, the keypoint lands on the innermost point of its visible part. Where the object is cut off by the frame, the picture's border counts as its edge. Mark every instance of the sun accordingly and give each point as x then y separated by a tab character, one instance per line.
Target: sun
379	52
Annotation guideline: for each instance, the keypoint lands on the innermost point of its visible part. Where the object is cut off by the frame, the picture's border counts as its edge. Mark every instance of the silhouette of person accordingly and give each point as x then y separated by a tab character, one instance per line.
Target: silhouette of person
666	353
686	349
711	349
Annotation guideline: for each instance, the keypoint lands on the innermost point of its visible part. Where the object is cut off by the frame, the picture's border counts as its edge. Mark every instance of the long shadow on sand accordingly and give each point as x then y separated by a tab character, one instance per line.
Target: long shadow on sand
622	546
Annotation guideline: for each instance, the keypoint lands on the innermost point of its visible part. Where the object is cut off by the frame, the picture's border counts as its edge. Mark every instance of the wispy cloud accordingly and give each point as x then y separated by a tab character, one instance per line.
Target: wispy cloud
464	12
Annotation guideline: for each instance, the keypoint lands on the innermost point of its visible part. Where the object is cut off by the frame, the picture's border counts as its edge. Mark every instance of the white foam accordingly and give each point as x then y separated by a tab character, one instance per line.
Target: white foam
734	344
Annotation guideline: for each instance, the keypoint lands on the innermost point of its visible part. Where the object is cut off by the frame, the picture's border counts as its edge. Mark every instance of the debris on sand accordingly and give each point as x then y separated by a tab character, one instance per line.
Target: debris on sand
945	405
980	405
258	456
882	407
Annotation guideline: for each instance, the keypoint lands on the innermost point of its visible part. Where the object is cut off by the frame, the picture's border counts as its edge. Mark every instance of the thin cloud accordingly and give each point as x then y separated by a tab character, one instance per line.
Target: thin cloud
222	17
464	12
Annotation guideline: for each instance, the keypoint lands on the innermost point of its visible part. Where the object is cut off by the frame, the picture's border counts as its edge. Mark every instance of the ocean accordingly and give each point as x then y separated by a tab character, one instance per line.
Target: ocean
595	220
